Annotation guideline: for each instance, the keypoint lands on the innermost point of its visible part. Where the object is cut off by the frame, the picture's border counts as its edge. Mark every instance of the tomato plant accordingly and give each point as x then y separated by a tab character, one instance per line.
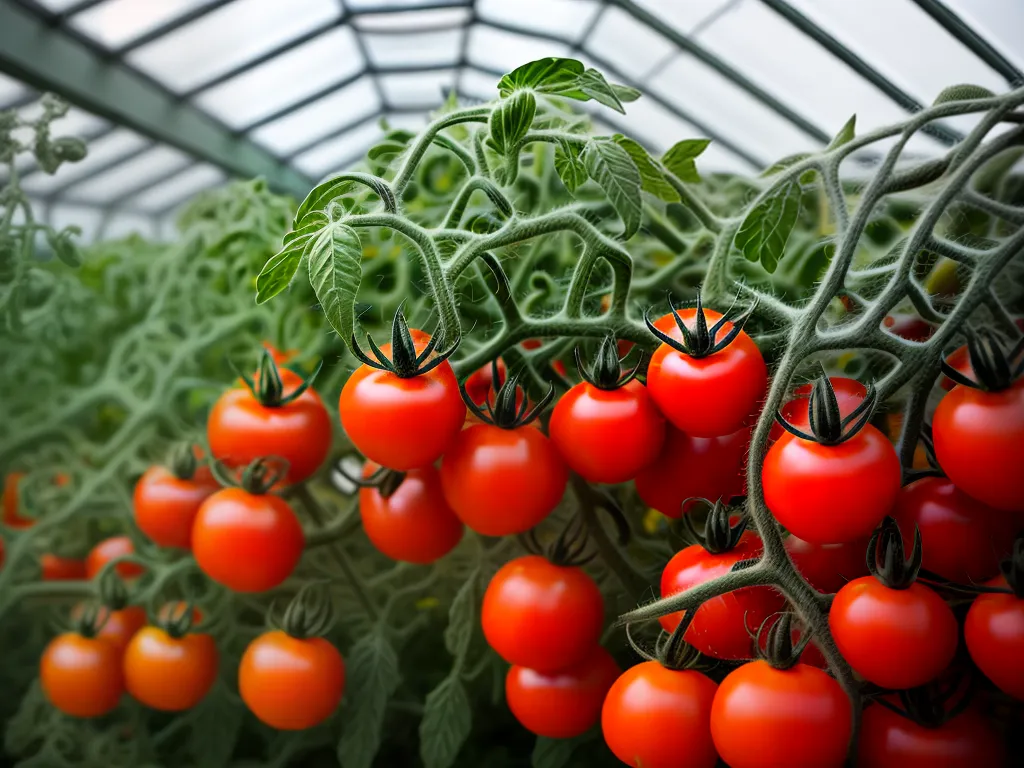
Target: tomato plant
81	676
111	549
169	668
166	501
994	629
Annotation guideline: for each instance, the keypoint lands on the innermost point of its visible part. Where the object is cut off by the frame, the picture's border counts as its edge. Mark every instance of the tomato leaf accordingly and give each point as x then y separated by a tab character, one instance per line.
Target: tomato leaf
335	271
964	92
681	158
511	120
279	270
447	721
547	75
570	169
626	93
554	753
373	677
593	86
461	618
651	177
611	167
215	727
845	135
324	193
765	231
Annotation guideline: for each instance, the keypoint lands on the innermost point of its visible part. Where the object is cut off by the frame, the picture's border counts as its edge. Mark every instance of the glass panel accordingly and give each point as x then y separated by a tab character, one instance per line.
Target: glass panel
58	5
627	44
295	129
75	123
228	37
477	84
421	20
999	21
408	122
285	79
10	90
182	186
330	155
427	48
688	16
376	5
86	218
149	166
117	22
493	49
101	152
419	90
567	18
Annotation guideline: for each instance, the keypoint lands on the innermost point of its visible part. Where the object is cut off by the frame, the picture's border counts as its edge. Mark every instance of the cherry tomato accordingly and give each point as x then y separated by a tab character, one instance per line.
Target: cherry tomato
963	540
542	616
563	704
56	568
910	327
979	442
175	610
245	541
502	481
723	625
480	384
110	549
402	423
168	673
890	740
558	365
849	394
118	627
960	359
687	467
994	631
709	396
895	638
413	524
827	567
81	676
289	683
830	494
660	718
764	716
607	436
11	515
166	505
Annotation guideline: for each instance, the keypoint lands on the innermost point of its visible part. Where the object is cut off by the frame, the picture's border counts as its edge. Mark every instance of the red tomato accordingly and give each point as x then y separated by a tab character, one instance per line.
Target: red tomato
994	631
849	394
56	568
247	542
11	515
607	436
81	676
764	716
723	625
895	638
502	481
979	442
687	467
413	524
827	567
963	540
660	718
176	609
542	616
960	359
709	396
110	549
830	494
563	704
289	683
168	673
910	327
890	740
119	627
166	505
240	429
480	384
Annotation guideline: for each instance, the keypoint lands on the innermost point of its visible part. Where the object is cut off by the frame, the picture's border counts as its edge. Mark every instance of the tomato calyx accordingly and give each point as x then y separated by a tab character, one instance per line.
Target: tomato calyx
384	480
568	550
700	342
268	387
183	463
778	649
720	534
885	556
993	365
405	362
90	619
178	620
505	413
606	372
828	426
930	705
257	478
670	649
309	614
112	592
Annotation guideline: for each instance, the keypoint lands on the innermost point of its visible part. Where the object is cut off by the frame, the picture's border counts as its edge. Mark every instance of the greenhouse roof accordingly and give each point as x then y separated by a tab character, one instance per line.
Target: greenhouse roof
176	96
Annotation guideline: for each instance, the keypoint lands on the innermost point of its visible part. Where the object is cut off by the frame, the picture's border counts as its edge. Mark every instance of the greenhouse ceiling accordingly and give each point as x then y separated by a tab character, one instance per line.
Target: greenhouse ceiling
176	96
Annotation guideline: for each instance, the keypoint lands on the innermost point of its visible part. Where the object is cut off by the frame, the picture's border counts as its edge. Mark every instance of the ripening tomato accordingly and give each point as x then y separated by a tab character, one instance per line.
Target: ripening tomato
994	632
723	625
290	683
827	567
247	542
414	524
480	384
540	615
607	436
909	327
166	505
660	718
688	467
502	481
562	704
830	494
118	627
240	429
979	442
168	673
708	396
11	514
56	568
890	740
895	638
763	716
963	540
849	394
81	676
110	549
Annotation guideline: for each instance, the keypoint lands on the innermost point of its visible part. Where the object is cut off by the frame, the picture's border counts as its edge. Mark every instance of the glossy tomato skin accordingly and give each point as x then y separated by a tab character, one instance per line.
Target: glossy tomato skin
660	718
542	616
960	359
110	549
723	625
688	467
895	638
979	442
607	436
849	394
165	505
502	481
994	632
414	524
764	716
963	540
889	740
247	542
57	568
828	567
291	684
81	676
831	494
563	704
118	627
713	395
167	673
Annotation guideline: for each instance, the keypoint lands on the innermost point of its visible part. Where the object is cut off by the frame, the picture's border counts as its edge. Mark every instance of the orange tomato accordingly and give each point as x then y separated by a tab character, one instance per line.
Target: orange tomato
81	676
110	549
57	568
165	505
118	627
168	673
